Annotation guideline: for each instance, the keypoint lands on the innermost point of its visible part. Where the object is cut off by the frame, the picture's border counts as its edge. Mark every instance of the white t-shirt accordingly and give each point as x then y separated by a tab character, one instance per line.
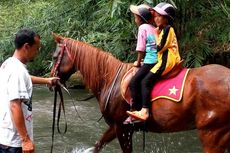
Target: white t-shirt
15	83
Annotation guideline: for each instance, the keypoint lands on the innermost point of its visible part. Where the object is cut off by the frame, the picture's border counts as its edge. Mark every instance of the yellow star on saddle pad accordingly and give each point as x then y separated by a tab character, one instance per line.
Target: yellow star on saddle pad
173	90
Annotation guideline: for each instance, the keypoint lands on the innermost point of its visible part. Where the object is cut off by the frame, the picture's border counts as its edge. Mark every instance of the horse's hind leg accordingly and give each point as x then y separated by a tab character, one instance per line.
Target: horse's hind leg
228	150
124	135
228	147
214	141
108	136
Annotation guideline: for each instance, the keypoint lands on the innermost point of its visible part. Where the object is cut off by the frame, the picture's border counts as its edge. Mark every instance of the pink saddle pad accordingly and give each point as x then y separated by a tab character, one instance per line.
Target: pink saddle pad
171	88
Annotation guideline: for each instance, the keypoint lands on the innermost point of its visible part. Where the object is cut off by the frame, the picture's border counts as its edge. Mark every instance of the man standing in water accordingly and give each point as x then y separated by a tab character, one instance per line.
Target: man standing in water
16	126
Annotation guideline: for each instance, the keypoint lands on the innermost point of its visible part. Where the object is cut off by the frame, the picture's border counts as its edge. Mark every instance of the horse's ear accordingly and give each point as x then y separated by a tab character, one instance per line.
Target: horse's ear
57	37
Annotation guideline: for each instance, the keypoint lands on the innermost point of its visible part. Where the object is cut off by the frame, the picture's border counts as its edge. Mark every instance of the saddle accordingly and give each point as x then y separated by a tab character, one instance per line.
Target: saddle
176	69
170	86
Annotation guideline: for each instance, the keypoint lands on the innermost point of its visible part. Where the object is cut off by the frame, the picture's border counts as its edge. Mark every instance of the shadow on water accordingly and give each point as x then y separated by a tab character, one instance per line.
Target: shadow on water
81	135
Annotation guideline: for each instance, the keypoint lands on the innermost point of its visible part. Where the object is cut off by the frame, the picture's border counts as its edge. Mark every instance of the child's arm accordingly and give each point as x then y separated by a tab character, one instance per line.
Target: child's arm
140	56
166	39
141	45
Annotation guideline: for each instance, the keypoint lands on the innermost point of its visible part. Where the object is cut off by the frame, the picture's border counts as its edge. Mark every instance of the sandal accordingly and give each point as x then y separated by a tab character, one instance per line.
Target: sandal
137	115
131	120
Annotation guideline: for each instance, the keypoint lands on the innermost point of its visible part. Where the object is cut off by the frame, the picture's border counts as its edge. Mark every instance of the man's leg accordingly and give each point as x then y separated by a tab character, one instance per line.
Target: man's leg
6	149
14	150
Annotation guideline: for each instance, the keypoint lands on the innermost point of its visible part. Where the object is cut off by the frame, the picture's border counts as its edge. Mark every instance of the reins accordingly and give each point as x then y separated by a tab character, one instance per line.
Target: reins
61	108
111	89
57	91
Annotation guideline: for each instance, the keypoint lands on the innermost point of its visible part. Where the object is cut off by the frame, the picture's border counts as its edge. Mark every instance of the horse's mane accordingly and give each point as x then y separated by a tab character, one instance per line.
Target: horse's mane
97	66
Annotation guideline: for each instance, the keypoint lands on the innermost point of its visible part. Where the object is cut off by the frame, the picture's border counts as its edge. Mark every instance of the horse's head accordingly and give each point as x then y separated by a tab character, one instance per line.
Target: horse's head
63	61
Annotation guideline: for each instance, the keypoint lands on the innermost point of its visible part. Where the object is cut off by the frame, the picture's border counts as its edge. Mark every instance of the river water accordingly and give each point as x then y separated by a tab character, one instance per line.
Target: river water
81	135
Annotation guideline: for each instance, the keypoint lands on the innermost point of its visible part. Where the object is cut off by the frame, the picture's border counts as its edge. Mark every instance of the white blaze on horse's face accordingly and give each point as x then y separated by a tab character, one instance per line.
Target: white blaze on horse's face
56	52
62	66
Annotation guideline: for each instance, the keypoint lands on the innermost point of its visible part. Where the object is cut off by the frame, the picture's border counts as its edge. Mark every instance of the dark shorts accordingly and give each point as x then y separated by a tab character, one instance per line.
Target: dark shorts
6	149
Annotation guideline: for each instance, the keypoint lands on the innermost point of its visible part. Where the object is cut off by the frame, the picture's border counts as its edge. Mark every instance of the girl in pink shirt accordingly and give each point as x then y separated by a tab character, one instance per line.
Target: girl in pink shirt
147	51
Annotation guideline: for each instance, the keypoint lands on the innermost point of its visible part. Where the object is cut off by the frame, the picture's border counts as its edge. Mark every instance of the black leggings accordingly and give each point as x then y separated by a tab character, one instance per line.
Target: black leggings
150	79
142	83
136	84
146	87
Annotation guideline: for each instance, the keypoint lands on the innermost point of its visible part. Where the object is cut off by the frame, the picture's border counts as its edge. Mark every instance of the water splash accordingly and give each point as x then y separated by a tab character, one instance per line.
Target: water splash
83	150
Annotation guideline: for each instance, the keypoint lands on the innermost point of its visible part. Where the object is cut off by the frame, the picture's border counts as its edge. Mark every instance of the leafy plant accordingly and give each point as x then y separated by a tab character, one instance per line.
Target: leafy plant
202	27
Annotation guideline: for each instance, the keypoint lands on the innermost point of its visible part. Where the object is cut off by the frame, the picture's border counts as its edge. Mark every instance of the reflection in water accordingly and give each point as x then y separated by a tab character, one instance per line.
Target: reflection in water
81	135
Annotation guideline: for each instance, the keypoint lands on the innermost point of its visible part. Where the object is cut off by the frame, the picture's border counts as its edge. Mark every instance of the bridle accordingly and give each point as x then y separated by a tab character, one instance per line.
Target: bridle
64	48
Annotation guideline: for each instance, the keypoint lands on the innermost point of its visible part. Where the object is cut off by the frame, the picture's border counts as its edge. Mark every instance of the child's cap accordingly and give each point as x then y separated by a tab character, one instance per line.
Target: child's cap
165	9
142	10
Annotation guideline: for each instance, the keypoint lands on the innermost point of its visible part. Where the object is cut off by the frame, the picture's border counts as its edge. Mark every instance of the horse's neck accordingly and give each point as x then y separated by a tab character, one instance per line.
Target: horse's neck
98	68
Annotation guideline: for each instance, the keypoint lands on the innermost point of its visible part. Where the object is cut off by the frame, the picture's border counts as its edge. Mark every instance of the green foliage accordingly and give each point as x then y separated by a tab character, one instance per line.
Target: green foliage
202	27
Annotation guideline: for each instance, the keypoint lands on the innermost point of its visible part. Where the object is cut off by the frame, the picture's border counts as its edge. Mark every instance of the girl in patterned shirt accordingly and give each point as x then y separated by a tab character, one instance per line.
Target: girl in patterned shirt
147	51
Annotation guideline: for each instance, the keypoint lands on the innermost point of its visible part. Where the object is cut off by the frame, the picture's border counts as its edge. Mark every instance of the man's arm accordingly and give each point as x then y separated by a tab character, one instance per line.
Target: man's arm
19	122
40	80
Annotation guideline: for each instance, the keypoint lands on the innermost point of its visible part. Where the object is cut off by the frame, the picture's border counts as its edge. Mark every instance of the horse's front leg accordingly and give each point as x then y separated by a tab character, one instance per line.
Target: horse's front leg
124	135
108	136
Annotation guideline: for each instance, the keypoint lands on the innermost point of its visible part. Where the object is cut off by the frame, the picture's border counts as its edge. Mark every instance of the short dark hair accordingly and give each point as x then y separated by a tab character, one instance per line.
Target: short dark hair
23	36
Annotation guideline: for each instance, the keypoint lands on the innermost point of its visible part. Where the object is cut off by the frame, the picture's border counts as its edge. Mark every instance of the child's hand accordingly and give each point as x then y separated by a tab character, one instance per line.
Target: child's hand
137	64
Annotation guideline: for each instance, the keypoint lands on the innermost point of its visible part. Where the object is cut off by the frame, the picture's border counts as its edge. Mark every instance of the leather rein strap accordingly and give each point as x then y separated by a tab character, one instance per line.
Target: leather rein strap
58	90
60	108
111	89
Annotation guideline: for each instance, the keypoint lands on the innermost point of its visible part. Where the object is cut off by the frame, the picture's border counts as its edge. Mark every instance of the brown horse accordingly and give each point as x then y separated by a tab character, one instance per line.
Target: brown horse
205	105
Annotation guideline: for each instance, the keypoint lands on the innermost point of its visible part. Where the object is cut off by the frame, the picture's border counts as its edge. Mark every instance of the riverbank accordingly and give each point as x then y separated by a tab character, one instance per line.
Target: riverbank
76	81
